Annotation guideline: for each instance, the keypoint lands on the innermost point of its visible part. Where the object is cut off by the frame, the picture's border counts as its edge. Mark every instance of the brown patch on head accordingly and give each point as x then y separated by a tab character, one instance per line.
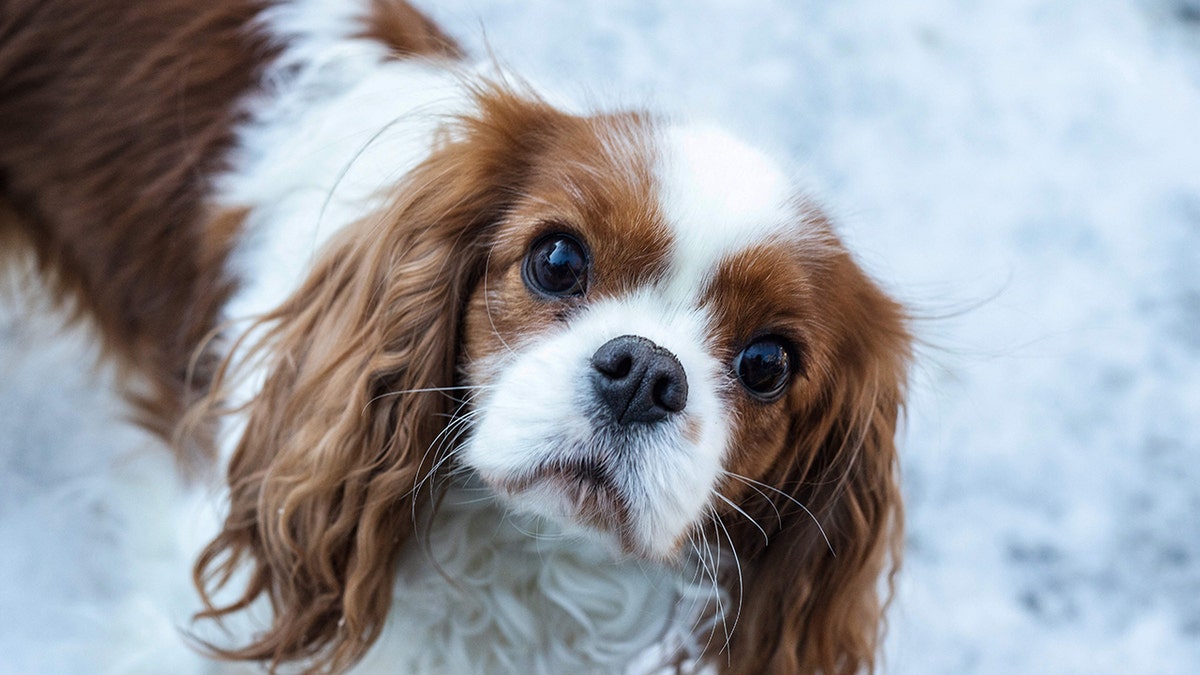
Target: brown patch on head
407	31
591	179
825	449
113	117
771	289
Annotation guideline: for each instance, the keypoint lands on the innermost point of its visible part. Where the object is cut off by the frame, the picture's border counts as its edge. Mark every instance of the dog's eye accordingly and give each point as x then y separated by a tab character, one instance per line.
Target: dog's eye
764	367
557	265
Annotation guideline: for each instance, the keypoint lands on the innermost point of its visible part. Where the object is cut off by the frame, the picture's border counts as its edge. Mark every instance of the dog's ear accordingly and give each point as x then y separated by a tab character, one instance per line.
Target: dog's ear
349	416
833	516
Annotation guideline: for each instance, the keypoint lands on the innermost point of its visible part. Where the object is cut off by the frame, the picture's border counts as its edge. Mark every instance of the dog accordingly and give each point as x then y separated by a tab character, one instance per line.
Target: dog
460	379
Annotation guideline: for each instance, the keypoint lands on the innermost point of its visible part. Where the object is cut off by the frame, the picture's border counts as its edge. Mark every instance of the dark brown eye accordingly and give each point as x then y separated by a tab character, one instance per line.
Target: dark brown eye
557	265
764	367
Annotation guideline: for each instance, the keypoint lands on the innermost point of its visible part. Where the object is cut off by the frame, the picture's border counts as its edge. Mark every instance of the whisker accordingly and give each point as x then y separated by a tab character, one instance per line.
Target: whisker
711	572
790	498
422	390
536	535
703	568
447	437
735	507
717	566
477	500
435	447
737	563
487	304
771	502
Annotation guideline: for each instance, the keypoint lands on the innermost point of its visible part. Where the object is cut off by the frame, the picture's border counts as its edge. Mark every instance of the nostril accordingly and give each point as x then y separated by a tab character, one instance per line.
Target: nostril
616	367
618	357
670	392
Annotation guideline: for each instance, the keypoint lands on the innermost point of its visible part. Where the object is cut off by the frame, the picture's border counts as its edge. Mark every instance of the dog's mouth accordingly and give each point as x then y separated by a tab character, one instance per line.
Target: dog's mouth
582	490
587	474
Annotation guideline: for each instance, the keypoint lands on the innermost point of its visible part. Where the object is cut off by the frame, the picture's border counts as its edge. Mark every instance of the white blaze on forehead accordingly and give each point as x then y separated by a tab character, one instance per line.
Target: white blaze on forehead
719	196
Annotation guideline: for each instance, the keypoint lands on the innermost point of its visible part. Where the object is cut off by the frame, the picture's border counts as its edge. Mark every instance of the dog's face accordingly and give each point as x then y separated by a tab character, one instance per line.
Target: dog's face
661	344
643	331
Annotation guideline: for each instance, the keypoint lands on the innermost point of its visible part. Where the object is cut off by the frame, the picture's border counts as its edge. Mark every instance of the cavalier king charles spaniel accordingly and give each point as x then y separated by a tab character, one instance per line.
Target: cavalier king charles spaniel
463	380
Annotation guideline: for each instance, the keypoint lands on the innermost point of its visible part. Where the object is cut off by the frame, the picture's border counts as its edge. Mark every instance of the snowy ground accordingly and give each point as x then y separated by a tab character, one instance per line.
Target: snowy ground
1025	174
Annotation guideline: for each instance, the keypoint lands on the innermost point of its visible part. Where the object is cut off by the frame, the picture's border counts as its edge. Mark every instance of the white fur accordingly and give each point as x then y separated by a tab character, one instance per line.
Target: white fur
528	597
322	152
540	408
719	196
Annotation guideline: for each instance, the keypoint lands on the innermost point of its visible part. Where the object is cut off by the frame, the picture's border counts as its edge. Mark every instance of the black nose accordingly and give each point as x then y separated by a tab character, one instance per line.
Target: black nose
637	380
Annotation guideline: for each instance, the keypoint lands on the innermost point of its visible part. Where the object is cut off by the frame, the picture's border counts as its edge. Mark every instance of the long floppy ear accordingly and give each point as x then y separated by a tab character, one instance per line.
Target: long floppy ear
322	479
810	592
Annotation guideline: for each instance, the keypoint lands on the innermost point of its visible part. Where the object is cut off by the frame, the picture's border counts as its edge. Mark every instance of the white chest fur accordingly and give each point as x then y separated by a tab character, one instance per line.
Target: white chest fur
494	593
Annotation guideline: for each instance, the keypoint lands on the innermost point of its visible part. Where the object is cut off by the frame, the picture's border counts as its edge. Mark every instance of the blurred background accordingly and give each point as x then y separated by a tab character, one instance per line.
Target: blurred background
1026	176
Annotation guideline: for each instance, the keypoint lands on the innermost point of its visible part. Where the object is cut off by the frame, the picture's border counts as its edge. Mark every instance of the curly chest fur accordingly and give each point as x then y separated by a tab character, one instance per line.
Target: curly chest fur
492	592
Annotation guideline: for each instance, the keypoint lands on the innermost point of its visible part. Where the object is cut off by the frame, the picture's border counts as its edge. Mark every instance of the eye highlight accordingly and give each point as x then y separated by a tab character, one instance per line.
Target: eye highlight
557	266
764	367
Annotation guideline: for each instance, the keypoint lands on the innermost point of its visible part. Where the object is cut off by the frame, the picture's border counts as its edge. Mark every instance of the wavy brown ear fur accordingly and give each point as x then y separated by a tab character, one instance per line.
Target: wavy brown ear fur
322	481
810	593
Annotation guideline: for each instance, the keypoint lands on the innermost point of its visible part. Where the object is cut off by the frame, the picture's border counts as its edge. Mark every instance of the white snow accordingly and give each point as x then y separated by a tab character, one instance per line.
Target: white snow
1025	174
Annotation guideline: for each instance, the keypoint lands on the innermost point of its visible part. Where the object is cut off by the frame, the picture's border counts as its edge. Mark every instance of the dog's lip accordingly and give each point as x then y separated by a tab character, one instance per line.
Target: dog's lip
585	471
589	488
582	472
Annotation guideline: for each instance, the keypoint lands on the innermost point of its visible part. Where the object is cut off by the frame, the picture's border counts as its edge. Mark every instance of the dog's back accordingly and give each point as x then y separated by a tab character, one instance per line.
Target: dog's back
111	122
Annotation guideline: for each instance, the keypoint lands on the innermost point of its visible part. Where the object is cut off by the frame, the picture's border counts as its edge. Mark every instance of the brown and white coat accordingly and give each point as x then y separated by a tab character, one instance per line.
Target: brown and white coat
315	237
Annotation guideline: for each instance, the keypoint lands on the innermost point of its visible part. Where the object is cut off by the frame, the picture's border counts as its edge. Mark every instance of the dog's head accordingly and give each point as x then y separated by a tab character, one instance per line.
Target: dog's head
632	328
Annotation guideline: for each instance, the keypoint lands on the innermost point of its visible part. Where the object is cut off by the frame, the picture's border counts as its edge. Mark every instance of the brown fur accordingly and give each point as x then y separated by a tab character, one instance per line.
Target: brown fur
594	181
408	32
809	605
111	123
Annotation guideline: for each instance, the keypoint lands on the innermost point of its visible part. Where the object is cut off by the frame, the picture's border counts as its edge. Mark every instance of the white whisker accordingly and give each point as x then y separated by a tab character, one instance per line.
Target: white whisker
771	502
422	390
751	481
487	304
735	507
737	563
716	586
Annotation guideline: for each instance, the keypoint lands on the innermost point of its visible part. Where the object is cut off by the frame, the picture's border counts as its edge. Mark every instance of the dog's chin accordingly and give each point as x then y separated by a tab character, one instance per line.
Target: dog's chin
625	487
582	496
